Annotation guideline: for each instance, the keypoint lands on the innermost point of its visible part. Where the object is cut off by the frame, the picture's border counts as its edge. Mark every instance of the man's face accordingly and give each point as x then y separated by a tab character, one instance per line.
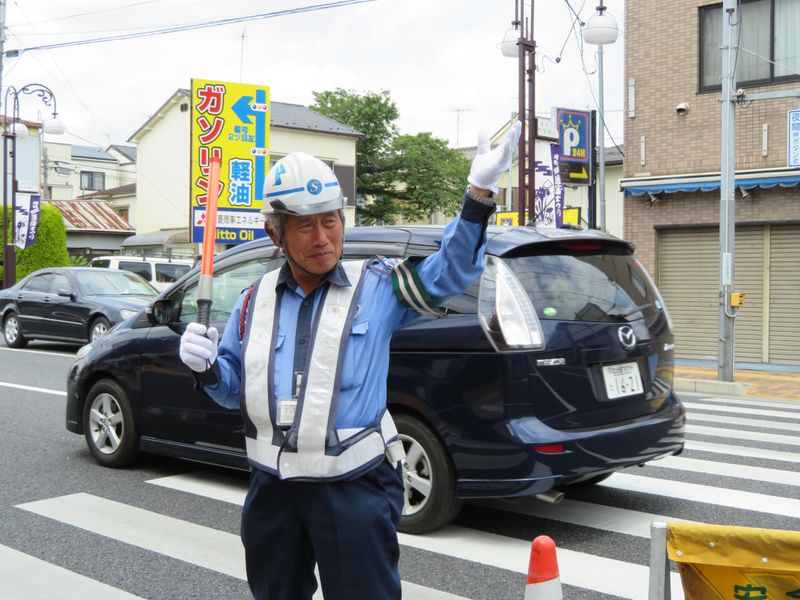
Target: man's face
314	242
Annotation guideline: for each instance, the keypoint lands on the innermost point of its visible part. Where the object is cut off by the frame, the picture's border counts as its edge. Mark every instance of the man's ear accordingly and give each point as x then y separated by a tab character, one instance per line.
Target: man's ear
271	235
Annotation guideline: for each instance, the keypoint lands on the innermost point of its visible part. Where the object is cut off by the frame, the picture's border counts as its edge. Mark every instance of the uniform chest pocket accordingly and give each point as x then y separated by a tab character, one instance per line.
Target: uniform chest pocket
354	356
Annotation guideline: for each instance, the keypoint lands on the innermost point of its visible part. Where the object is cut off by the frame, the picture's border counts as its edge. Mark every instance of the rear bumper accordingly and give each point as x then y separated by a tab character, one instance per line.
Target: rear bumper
518	469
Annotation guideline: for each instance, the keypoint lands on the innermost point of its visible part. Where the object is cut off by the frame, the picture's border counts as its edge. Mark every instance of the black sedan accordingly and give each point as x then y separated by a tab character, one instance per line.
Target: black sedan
70	304
554	370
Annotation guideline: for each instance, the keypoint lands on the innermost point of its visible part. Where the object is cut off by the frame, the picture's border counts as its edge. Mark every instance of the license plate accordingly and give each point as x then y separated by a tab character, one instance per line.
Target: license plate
622	380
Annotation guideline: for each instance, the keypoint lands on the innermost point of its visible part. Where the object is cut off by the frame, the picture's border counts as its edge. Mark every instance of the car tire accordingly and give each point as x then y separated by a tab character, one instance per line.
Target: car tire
12	332
109	426
98	328
428	477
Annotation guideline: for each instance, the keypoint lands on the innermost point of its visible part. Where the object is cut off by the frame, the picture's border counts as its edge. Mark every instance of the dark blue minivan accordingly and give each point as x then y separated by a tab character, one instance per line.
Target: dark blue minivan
554	369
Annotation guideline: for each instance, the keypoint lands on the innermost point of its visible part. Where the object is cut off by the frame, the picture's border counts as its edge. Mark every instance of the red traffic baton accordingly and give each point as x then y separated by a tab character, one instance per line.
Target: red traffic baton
205	288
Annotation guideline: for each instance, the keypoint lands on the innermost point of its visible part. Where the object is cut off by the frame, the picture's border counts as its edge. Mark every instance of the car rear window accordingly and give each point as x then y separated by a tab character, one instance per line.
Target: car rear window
140	268
170	272
580	281
101	263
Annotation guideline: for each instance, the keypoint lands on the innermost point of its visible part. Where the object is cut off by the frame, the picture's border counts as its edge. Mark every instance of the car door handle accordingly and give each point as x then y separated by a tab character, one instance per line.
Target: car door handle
47	298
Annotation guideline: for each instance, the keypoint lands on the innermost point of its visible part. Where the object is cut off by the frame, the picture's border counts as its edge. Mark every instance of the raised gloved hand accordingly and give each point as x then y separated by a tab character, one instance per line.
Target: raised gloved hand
489	164
199	347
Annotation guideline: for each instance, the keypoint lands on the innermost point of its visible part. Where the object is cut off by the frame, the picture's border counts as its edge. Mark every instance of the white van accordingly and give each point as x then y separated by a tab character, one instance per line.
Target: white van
159	272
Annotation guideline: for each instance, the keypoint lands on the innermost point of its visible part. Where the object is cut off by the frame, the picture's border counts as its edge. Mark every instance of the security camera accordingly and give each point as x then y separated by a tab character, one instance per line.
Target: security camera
682	108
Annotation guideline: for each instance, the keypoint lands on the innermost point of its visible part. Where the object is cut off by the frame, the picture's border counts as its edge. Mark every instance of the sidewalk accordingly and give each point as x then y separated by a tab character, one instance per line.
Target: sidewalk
782	385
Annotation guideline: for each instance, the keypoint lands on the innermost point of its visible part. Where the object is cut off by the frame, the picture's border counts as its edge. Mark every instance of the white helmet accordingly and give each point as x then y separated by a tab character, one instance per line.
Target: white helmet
300	184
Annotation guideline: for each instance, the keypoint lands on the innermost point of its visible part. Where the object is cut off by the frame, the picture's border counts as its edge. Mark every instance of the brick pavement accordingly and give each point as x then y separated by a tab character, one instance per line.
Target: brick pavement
762	384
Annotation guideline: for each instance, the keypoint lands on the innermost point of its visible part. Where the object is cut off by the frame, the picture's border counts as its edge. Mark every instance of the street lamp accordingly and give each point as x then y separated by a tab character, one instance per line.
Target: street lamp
516	44
601	30
13	128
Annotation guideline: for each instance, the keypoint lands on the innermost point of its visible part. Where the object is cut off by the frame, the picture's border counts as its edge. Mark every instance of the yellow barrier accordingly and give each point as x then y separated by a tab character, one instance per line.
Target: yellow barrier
720	562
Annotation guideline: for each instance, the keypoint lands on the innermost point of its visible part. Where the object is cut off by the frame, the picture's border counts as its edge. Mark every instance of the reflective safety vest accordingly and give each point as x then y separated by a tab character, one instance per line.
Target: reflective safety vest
312	448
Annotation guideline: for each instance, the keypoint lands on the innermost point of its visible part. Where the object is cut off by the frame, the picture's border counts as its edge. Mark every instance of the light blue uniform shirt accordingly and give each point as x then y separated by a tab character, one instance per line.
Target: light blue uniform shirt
362	391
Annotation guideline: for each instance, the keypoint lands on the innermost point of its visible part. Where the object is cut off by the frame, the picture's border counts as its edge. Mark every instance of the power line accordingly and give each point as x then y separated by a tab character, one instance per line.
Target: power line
192	27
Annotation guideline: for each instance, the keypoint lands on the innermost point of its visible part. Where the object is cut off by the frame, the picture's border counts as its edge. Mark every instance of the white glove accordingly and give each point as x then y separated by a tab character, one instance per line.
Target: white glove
199	352
488	165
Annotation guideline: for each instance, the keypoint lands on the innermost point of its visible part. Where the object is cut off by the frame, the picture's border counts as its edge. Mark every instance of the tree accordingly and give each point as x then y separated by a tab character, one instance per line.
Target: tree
50	249
403	175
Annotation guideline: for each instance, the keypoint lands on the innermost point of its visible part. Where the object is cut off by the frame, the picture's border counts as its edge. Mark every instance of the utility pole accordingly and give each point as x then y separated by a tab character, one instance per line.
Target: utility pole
727	200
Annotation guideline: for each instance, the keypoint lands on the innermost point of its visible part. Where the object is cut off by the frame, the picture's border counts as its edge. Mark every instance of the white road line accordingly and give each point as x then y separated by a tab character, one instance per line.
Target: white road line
780	414
697	465
732	498
196	544
581	570
695	417
25	577
575	568
785	404
577	512
743	434
746	451
208	485
29	388
70	355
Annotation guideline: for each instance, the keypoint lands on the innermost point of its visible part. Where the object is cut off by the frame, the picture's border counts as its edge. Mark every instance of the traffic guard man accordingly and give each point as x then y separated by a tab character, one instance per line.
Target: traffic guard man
307	364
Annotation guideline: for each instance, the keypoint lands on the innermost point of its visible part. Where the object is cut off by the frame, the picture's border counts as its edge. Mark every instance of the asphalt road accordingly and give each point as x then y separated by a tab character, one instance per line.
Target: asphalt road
168	529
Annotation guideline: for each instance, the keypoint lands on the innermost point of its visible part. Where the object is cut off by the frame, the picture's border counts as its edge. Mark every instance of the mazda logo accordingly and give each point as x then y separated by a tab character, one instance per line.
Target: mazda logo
627	337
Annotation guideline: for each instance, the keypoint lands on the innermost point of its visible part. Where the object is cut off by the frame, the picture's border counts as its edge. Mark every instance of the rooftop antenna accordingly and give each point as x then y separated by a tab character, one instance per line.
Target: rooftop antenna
458	112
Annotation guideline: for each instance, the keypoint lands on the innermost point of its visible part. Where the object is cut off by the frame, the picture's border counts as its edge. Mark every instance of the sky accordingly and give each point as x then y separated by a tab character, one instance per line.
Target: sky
438	59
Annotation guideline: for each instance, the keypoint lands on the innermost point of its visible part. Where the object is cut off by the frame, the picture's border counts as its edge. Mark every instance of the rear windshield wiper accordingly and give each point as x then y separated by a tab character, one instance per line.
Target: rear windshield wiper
628	313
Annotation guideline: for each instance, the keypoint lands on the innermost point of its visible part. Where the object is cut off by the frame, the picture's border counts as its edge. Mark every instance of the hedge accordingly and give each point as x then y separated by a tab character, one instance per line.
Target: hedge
50	249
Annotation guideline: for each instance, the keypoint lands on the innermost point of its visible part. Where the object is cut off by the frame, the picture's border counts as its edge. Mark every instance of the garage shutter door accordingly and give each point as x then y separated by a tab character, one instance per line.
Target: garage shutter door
784	321
749	278
687	278
689	281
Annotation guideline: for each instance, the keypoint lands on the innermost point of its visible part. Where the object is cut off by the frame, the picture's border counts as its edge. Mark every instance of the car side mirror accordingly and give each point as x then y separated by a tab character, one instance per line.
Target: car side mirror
68	294
162	312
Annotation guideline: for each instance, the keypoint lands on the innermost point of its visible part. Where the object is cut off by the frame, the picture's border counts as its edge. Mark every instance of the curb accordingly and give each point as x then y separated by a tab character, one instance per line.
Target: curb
709	386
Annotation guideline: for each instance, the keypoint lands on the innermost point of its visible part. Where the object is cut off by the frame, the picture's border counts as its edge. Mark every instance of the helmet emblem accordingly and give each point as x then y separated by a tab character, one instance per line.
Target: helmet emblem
627	337
314	187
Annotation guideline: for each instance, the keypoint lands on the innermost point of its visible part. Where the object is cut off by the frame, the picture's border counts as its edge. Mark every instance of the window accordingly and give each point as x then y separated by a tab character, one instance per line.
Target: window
141	268
40	283
170	272
93	180
228	286
769	47
123	212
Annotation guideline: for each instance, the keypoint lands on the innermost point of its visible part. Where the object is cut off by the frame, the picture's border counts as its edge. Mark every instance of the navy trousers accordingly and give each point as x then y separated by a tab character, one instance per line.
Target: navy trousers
349	528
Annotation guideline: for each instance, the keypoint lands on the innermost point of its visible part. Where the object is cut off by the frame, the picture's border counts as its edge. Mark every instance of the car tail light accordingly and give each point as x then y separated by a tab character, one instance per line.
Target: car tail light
550	448
505	310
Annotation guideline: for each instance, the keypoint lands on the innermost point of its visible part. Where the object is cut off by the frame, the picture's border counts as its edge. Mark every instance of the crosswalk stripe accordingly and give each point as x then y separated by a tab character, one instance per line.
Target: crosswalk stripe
196	544
25	577
697	465
732	498
695	417
586	514
578	569
233	491
780	414
791	405
743	434
746	451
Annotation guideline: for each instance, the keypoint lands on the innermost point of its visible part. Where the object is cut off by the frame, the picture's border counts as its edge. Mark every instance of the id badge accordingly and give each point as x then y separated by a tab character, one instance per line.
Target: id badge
286	411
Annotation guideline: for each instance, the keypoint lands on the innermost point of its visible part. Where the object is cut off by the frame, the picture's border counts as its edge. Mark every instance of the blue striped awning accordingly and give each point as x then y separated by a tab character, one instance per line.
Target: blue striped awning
765	179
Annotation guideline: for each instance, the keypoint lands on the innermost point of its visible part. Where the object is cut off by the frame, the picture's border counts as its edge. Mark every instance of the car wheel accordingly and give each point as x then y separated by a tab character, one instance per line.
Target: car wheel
12	332
99	328
428	477
108	425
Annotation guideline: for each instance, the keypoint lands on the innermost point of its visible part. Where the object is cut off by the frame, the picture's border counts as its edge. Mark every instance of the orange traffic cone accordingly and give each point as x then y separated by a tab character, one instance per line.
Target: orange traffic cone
543	579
